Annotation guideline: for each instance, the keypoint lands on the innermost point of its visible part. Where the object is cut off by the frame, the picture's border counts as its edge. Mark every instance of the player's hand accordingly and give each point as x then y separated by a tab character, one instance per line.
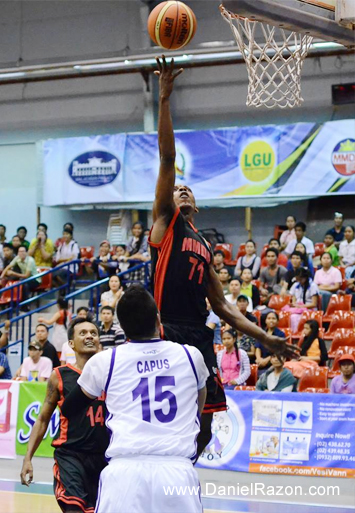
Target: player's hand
27	470
278	345
167	75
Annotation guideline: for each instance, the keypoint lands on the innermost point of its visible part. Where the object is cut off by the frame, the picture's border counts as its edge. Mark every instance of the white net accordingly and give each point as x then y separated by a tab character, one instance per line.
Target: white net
274	68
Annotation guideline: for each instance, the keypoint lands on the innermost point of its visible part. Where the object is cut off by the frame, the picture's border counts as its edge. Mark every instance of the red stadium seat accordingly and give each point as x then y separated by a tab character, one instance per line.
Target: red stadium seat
315	377
264	250
281	260
342	270
340	320
319	248
318	390
241	251
87	252
308	316
284	320
335	370
342	337
253	378
5	297
244	387
257	283
287	331
278	302
46	281
218	347
257	314
337	303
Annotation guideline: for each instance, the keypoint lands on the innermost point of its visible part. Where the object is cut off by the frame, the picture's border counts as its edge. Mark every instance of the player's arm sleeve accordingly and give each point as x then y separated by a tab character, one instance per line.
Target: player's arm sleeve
94	375
202	372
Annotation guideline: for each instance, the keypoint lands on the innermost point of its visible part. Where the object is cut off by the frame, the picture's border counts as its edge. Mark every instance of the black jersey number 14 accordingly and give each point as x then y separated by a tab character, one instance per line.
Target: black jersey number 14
195	267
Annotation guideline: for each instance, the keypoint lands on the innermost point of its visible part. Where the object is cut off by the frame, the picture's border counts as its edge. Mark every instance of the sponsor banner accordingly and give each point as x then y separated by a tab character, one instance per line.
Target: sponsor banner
9	393
29	406
287	433
278	161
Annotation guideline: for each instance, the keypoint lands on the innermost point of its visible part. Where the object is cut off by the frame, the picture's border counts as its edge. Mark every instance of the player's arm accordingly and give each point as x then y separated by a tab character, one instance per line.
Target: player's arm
201	399
232	316
164	207
40	428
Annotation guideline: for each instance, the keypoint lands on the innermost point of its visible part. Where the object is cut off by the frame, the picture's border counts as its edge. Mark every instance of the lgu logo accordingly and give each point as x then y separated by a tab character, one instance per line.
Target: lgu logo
257	161
94	168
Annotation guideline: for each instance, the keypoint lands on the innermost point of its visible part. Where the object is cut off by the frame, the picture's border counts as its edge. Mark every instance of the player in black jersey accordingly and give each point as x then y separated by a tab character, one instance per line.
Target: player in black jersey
81	441
182	266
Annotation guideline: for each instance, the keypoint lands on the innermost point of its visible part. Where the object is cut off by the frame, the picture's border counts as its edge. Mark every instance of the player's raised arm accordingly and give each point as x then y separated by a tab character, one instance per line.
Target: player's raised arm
164	208
238	321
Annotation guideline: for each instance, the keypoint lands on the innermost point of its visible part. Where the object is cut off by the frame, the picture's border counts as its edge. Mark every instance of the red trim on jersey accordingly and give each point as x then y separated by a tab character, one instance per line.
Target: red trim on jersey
60	491
162	332
73	368
212	408
166	234
192	226
63	422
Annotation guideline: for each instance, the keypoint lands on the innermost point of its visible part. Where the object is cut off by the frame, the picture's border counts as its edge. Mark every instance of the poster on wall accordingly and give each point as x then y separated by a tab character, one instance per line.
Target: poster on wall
30	402
9	394
274	161
289	433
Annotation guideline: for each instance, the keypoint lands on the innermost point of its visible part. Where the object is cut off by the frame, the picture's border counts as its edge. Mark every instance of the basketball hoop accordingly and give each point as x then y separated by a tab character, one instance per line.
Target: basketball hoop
274	68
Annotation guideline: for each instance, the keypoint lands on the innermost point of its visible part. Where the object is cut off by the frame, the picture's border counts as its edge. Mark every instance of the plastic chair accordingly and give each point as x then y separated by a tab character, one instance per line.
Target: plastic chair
342	270
319	249
316	377
284	320
335	370
308	316
264	250
241	251
257	283
318	390
253	378
278	302
218	347
340	320
287	331
87	252
227	251
337	303
46	281
342	337
5	297
257	314
245	387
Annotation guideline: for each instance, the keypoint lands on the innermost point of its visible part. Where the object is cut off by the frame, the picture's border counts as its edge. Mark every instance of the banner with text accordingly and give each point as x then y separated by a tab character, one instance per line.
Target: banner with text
287	433
31	399
9	392
276	161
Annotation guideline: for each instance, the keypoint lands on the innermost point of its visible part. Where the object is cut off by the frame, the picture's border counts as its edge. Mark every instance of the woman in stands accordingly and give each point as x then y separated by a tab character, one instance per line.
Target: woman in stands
304	296
248	289
262	355
101	263
42	250
347	251
277	378
137	249
233	363
313	350
61	320
249	260
328	279
112	296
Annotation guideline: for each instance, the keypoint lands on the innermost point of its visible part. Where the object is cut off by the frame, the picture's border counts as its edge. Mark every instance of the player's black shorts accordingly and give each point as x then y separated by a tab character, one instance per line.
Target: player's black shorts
76	478
202	338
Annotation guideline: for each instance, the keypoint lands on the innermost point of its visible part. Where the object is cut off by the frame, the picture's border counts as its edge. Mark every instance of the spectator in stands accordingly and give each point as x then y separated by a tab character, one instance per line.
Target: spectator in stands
344	384
119	260
22	232
42	250
307	262
300	230
16	243
234	292
5	371
137	249
313	350
66	252
112	296
347	251
328	279
61	320
304	292
219	262
290	277
84	313
242	304
338	230
4	335
47	348
232	362
214	323
247	287
277	378
281	259
273	275
262	355
289	234
350	284
249	260
102	263
61	240
42	227
36	367
9	255
2	233
331	248
111	333
224	277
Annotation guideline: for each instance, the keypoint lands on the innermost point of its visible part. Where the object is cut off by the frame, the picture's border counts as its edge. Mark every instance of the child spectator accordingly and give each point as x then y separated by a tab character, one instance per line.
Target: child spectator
273	275
248	289
233	363
61	320
214	323
344	384
5	371
111	333
290	277
42	250
337	232
300	230
112	296
118	260
234	292
35	367
289	234
249	260
277	378
22	232
262	355
313	350
224	277
328	279
347	251
331	248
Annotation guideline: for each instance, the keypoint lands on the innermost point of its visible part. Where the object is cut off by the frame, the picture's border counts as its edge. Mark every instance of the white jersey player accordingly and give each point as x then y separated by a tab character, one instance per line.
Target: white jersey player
155	392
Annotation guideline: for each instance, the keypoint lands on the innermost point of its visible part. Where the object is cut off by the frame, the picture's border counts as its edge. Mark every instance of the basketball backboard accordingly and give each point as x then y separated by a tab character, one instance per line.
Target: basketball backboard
329	20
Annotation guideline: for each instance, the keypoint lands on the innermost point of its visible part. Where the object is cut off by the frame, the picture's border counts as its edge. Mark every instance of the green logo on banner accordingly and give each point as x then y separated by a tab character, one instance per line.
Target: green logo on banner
30	403
257	161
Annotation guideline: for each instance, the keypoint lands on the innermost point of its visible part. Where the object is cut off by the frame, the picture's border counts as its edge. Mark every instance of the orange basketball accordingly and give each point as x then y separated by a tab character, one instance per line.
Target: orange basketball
172	25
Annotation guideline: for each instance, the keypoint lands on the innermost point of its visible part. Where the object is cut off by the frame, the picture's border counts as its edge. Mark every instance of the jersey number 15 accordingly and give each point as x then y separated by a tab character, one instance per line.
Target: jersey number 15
142	390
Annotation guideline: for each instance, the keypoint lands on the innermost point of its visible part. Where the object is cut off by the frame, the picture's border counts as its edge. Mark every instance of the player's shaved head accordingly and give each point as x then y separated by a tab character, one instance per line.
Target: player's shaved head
137	313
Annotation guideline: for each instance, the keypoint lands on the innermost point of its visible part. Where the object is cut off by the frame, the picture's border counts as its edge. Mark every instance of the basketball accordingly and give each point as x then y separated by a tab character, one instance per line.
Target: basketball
172	25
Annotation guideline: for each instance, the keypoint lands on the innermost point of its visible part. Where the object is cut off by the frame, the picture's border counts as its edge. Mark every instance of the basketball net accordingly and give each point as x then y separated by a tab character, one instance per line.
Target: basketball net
274	68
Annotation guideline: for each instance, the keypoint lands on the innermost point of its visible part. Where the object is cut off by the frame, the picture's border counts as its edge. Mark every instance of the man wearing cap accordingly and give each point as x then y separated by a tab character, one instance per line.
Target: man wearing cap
344	384
338	231
35	367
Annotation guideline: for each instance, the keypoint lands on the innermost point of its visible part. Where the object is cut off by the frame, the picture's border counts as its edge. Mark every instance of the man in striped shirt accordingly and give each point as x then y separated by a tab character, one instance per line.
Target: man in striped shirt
111	333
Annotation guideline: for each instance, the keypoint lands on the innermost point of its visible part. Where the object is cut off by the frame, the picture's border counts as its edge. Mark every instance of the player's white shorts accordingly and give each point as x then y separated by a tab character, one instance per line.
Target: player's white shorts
149	484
